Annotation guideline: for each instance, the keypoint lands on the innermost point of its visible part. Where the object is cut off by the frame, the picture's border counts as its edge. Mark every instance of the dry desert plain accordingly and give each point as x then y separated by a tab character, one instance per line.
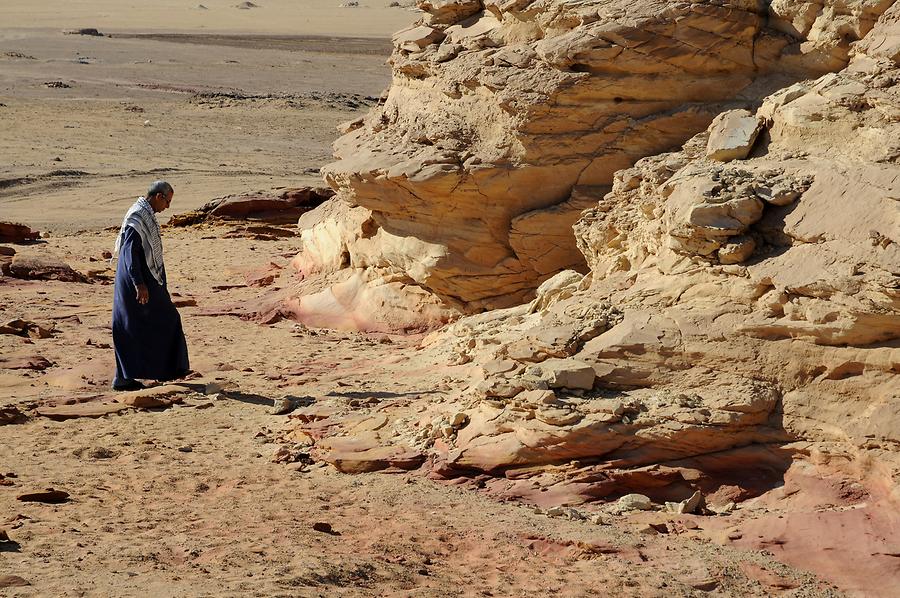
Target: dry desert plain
207	496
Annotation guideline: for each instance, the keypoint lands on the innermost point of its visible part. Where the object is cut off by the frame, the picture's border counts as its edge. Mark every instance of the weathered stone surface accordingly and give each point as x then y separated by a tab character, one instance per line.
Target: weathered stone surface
283	207
13	581
732	135
814	309
91	409
36	266
506	119
361	455
12	232
414	39
741	319
567	373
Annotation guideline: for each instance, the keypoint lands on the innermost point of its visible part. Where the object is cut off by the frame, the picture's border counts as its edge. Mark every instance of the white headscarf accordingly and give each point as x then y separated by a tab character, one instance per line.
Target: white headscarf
142	218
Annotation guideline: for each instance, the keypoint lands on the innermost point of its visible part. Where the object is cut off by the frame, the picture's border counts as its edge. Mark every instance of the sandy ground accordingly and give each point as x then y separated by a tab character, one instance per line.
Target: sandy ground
186	501
372	18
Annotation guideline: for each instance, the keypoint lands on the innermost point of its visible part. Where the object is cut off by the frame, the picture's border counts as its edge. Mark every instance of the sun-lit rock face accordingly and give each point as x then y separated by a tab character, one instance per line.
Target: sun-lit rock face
506	119
735	315
733	298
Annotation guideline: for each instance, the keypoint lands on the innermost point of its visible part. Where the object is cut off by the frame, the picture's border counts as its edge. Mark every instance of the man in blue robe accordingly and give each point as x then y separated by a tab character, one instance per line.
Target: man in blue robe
147	335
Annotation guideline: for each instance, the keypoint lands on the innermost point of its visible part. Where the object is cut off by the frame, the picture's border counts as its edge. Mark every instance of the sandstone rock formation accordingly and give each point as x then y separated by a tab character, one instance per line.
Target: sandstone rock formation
284	207
506	119
39	266
740	312
12	232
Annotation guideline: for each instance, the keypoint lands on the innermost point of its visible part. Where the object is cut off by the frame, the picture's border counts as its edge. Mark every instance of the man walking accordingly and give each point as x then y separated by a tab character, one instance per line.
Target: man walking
147	334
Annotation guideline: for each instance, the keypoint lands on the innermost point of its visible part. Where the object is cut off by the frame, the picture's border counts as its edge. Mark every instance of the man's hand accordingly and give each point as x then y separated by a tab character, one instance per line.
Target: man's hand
143	295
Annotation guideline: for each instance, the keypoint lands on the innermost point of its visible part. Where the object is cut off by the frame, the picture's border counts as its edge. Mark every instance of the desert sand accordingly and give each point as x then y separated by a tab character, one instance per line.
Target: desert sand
408	462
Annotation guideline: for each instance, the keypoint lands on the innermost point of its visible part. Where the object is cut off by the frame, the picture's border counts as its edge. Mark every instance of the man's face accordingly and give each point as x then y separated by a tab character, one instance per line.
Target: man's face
162	201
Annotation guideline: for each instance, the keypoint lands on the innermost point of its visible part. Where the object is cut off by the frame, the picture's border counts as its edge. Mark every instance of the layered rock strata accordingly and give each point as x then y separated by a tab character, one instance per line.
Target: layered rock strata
506	119
738	326
738	303
759	299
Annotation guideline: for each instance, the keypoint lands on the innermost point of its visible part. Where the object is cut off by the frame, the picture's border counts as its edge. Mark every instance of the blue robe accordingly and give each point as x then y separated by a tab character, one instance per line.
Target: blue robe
148	339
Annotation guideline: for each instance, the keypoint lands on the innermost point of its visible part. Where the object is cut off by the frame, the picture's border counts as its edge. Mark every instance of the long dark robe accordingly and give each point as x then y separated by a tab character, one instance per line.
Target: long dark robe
148	339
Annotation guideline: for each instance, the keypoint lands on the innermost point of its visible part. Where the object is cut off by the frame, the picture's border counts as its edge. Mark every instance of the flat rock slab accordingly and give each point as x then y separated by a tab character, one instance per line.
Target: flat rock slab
26	328
732	135
155	396
24	362
12	581
49	496
42	267
13	232
352	455
11	415
93	409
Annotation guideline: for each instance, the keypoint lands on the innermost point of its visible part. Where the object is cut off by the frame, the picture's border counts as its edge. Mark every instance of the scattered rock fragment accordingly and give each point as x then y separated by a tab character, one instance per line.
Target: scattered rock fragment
282	406
27	329
325	528
732	135
292	454
88	409
634	502
19	55
155	396
281	207
84	31
49	496
101	452
686	506
11	415
13	232
43	267
568	373
12	581
737	250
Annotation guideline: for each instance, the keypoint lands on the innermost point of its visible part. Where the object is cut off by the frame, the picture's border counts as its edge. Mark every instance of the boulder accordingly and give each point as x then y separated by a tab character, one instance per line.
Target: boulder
11	232
277	207
732	135
33	266
27	328
568	373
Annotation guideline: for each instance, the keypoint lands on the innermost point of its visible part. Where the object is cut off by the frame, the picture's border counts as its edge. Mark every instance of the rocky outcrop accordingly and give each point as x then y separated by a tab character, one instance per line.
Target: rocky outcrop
506	119
757	299
39	266
742	310
12	232
737	325
277	207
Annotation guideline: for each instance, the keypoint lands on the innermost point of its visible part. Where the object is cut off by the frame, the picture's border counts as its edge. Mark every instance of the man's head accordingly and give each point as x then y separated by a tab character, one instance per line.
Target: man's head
160	195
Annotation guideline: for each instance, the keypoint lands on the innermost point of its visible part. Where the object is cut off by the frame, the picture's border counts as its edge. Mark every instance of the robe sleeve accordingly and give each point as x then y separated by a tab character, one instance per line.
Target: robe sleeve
132	251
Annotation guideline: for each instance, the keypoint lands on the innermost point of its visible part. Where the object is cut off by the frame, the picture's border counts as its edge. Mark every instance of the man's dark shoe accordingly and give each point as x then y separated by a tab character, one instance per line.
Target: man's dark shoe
122	385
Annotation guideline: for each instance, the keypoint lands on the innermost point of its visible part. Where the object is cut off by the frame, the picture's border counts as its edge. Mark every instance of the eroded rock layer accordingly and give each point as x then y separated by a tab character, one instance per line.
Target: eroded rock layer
731	339
506	119
750	298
